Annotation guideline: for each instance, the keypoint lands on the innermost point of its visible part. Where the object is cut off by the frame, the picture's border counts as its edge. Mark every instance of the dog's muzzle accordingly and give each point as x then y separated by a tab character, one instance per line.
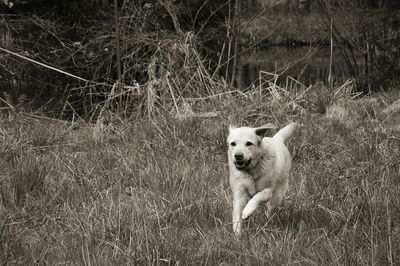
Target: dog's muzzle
242	164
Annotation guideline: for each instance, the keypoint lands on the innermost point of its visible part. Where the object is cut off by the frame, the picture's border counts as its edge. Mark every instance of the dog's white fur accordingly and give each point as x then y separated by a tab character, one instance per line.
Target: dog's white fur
259	168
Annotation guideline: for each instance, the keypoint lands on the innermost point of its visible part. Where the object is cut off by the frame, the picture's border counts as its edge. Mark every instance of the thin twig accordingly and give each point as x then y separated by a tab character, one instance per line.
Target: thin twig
52	68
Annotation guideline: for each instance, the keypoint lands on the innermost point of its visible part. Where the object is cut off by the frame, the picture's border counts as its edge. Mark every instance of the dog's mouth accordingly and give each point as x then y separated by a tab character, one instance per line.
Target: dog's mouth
240	165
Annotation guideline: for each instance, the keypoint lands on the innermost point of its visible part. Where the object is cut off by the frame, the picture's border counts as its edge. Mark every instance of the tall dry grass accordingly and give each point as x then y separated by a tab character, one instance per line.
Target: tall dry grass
155	191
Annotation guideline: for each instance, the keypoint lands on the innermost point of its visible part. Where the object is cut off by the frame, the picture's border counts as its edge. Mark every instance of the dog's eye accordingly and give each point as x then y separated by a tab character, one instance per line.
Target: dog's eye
233	143
249	143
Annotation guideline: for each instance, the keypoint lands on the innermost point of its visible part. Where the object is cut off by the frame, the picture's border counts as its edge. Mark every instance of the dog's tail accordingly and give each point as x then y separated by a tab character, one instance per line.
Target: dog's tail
285	133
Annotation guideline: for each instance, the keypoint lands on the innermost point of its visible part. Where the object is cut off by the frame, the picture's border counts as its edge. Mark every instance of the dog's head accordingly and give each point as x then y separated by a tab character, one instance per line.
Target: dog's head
245	145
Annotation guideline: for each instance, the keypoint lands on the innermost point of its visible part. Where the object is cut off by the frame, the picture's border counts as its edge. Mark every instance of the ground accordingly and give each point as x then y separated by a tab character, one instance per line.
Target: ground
155	190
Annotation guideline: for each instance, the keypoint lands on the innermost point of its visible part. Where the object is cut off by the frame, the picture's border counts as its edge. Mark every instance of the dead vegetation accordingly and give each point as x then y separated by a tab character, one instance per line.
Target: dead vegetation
126	179
124	193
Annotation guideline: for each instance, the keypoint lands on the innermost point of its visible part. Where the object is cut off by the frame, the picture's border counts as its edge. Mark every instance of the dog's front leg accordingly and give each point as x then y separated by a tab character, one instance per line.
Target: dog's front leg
239	201
253	203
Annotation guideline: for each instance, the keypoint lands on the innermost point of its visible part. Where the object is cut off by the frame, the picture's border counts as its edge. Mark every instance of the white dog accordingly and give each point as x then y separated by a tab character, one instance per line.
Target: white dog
259	168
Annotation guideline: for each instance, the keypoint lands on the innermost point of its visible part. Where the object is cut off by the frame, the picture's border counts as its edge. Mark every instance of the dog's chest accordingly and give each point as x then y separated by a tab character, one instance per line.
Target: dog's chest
255	185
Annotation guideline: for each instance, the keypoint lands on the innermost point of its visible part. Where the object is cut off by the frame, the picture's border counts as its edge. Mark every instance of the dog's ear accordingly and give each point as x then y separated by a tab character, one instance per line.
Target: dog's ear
231	127
260	131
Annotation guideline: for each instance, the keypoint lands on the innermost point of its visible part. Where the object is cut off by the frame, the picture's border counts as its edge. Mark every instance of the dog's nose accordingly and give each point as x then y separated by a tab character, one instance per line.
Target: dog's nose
239	156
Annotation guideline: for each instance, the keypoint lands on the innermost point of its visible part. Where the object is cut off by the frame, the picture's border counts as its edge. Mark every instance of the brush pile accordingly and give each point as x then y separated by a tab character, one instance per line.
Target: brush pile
161	62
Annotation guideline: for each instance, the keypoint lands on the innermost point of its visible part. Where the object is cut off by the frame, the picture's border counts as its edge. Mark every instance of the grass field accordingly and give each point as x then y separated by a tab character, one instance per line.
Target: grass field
155	191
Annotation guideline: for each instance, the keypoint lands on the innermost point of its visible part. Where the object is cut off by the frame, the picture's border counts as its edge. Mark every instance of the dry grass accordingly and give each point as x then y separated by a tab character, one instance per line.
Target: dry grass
155	191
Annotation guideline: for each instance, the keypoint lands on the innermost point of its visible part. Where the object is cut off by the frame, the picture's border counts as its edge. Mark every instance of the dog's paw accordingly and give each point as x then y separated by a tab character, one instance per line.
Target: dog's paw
237	233
248	211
